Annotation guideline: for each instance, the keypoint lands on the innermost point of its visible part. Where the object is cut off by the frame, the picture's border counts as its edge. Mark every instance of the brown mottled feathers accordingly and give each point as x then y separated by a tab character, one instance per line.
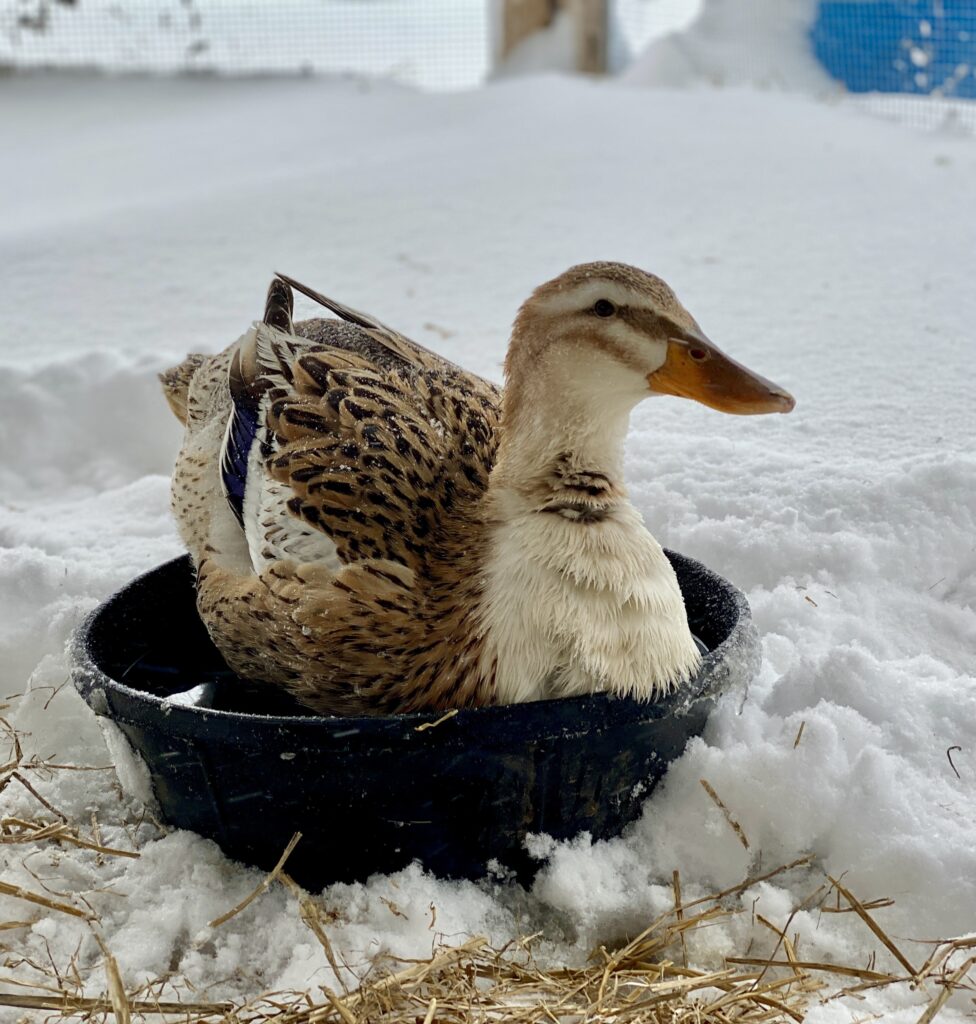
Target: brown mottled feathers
385	448
376	460
364	641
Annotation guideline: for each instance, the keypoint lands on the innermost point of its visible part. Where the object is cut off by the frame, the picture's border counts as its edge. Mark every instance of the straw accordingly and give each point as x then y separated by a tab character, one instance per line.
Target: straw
733	824
43	901
263	887
649	979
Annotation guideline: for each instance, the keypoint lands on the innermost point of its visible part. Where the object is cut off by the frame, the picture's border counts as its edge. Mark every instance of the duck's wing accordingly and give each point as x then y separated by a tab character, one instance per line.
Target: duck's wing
378	460
335	453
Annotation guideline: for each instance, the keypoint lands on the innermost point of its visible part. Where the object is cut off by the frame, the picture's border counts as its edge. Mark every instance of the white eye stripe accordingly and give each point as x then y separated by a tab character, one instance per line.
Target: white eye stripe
585	295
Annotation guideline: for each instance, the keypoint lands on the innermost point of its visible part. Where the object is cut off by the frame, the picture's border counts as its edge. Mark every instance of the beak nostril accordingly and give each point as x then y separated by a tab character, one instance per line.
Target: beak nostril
698	354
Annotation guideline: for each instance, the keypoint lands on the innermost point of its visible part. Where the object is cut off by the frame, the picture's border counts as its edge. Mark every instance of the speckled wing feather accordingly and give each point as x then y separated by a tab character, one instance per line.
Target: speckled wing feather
377	459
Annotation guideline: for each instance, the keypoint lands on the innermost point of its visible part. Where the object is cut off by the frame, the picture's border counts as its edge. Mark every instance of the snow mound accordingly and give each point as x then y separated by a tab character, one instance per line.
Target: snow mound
764	43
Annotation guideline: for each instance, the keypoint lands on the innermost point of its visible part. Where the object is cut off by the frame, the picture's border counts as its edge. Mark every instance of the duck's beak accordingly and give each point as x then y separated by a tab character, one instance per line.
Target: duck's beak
695	368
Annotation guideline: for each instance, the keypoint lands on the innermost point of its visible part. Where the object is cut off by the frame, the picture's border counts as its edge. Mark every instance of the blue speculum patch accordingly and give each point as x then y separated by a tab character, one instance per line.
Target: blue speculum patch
237	449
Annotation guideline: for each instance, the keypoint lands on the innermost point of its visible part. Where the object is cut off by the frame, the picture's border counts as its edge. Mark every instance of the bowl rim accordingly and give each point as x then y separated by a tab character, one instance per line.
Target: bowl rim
560	715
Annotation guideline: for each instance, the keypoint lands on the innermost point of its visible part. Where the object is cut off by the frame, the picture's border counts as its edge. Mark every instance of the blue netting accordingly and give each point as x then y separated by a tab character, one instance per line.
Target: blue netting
907	46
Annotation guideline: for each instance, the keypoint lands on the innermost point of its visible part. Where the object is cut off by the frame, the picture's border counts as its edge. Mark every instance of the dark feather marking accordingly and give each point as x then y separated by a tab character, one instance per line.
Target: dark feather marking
329	484
318	370
389	577
299	417
591	489
372	437
335	397
356	410
578	512
377	498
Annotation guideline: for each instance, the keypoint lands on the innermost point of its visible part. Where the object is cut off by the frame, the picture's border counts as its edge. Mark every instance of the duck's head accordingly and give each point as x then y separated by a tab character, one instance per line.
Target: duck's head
616	329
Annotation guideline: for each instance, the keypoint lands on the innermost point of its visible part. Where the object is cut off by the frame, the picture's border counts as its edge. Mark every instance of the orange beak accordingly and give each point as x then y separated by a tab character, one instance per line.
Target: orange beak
695	368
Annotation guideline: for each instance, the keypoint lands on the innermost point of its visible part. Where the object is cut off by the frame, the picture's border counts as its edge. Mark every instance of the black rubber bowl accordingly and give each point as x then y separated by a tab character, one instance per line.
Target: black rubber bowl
372	794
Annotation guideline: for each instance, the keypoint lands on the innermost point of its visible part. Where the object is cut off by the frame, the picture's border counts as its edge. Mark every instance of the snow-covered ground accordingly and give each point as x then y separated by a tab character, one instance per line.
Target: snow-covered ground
828	249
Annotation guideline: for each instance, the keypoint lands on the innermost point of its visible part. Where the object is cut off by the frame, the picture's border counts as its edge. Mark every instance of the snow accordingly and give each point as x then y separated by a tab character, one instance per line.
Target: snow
639	22
763	43
828	249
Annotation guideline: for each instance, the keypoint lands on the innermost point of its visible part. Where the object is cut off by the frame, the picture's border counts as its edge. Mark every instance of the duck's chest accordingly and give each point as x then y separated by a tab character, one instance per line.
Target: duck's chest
572	606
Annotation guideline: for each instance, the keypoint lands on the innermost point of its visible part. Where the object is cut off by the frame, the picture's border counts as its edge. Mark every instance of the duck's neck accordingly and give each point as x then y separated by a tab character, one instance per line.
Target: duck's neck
562	434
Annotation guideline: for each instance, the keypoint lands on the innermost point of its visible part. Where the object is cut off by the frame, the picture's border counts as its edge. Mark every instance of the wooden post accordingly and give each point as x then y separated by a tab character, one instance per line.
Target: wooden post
591	18
520	18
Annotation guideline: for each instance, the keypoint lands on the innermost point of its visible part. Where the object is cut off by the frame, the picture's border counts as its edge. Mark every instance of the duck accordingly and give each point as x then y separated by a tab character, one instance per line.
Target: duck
380	532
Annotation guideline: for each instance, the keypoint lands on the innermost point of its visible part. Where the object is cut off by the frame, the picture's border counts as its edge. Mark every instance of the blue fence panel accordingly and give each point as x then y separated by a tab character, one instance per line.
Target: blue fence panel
912	46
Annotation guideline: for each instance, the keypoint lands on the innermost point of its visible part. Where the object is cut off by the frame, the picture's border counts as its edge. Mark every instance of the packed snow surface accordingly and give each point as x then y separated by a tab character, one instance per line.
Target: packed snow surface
829	250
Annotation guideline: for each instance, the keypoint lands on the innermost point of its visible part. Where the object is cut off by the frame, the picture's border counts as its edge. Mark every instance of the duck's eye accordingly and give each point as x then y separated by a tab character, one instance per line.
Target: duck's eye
604	308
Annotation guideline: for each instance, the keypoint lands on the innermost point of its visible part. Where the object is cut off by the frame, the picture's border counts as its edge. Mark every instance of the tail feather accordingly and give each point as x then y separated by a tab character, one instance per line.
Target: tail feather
279	306
176	383
412	353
